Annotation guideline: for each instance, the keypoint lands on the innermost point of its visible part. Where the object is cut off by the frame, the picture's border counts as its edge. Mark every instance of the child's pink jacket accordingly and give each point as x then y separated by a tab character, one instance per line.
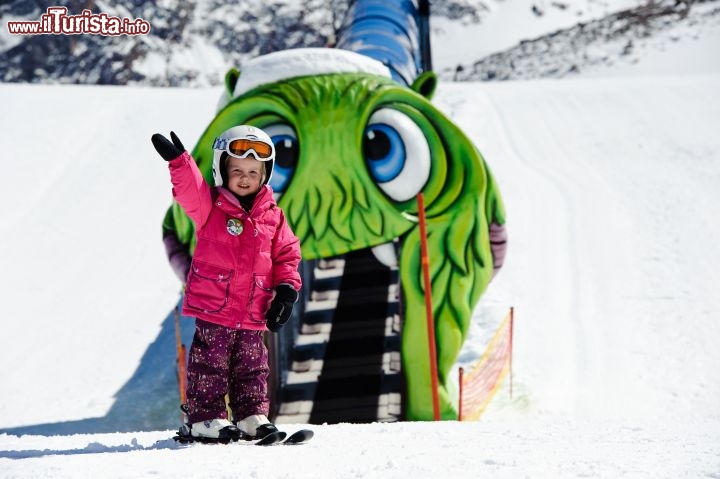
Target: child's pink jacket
240	257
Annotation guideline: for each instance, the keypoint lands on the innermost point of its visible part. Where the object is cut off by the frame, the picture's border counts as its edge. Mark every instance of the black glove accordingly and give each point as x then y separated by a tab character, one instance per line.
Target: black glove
169	151
281	307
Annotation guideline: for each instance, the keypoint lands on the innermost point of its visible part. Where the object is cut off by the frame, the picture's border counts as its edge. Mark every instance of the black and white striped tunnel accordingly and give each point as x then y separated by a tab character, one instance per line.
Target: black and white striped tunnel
340	360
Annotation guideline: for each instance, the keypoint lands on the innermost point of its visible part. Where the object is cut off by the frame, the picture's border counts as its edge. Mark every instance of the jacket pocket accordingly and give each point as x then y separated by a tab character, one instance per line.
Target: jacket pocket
208	287
260	297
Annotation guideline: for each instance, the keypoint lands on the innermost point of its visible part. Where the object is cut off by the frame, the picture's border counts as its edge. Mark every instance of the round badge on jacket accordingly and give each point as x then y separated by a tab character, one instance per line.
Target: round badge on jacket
234	226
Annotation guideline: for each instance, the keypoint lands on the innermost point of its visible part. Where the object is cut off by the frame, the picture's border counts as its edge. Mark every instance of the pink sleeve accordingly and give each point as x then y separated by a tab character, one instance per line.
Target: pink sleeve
286	256
190	189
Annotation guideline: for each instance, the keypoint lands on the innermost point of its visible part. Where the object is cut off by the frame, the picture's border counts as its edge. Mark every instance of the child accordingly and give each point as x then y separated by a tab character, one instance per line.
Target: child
243	278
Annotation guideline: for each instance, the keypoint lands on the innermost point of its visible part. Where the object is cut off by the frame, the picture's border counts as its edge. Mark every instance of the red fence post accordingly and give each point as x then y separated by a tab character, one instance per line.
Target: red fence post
428	306
181	355
461	373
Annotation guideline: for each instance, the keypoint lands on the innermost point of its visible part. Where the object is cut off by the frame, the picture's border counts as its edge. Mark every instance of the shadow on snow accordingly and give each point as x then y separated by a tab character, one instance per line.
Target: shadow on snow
149	401
91	448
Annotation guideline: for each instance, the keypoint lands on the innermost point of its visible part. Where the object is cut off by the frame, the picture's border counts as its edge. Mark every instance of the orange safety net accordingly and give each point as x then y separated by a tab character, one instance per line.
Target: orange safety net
479	386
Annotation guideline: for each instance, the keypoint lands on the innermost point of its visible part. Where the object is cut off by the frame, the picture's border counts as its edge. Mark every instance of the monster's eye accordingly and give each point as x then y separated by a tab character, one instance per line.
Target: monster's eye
286	155
397	154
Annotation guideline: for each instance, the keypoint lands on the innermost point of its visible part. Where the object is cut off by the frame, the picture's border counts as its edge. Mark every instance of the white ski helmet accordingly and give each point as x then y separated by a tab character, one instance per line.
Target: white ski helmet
241	141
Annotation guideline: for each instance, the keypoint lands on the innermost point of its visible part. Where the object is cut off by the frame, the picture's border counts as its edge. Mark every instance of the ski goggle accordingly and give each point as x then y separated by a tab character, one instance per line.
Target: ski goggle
241	148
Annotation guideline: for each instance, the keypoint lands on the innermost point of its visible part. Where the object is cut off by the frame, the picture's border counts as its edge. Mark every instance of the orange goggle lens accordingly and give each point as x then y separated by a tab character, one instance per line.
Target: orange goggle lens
241	148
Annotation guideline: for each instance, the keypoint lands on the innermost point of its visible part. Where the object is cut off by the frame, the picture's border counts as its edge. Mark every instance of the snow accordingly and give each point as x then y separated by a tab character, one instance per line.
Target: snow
695	55
529	449
611	188
293	63
507	23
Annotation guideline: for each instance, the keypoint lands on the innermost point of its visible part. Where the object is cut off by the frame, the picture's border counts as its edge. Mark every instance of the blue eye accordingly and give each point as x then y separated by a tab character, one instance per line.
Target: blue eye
384	151
397	154
286	156
285	161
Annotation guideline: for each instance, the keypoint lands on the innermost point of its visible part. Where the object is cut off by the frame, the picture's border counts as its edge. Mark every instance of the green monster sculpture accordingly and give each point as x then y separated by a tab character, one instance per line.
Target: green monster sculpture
343	191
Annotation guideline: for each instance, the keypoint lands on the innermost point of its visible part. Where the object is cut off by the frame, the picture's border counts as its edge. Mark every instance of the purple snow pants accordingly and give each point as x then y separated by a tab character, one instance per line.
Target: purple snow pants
226	361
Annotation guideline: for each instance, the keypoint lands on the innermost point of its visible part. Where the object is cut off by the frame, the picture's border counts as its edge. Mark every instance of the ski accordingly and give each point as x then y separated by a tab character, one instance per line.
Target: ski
270	439
300	437
278	437
184	439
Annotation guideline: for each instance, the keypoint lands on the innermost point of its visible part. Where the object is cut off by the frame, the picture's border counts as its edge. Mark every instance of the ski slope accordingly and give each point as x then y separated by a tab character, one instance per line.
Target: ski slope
612	191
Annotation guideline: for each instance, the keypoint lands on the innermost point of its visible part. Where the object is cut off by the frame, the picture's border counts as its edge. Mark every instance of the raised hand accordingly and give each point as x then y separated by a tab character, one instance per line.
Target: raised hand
168	150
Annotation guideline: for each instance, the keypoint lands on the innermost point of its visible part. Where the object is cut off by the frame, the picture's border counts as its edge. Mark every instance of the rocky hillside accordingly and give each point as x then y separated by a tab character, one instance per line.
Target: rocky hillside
191	42
620	37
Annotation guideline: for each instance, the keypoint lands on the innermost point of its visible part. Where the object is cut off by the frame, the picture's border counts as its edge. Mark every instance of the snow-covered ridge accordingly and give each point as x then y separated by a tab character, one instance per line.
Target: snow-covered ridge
627	39
195	43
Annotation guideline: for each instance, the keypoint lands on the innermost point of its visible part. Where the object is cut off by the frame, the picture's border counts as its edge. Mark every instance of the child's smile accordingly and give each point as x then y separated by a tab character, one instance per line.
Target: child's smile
245	175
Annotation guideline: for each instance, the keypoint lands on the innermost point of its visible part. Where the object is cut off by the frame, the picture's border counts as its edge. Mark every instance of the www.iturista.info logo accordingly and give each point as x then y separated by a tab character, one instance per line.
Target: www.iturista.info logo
57	22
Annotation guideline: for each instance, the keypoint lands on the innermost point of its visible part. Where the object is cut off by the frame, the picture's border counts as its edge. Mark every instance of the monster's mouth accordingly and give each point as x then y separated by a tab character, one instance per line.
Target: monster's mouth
341	362
386	254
